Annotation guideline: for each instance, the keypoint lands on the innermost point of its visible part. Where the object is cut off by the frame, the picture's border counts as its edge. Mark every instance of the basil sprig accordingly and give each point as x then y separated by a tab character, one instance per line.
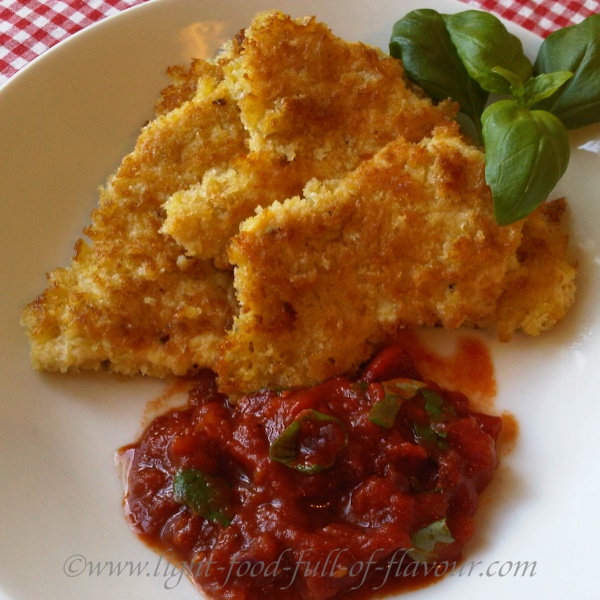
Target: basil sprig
525	137
206	495
289	448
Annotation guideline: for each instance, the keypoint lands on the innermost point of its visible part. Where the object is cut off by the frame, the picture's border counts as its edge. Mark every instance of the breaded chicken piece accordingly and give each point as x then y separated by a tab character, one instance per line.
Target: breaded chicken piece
130	300
407	239
314	105
541	290
204	217
184	82
395	227
303	91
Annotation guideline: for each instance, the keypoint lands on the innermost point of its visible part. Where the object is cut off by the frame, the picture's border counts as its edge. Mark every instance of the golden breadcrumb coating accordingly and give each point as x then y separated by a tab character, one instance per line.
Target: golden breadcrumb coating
131	300
375	217
540	291
204	217
407	239
184	84
314	105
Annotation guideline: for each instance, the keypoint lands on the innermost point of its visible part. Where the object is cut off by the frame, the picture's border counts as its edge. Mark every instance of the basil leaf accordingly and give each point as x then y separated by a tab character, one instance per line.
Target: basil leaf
204	494
288	447
426	435
575	48
436	406
383	412
425	541
482	43
439	411
421	41
403	387
527	152
537	88
431	436
543	86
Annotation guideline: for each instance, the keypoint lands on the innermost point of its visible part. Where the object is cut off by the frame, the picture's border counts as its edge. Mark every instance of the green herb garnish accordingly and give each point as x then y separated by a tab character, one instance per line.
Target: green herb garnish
310	443
430	59
435	405
575	48
438	411
206	495
527	152
425	434
482	43
466	55
383	412
425	541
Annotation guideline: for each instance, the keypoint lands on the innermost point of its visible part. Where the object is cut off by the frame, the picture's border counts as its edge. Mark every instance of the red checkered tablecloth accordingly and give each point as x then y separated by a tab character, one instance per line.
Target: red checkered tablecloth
30	27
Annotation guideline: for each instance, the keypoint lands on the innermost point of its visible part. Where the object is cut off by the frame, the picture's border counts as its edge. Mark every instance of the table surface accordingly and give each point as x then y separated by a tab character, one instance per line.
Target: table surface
30	27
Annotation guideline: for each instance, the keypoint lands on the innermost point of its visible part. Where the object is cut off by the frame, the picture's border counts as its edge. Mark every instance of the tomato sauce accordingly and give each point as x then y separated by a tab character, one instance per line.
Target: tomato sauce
339	490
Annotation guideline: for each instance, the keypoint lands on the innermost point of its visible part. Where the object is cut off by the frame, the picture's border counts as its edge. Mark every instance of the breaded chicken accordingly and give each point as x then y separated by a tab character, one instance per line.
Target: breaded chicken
313	105
184	83
204	217
375	217
131	300
541	290
407	239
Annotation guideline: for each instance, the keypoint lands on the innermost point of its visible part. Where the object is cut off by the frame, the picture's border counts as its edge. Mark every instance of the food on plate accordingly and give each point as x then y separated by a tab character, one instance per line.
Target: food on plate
136	301
296	205
314	106
293	205
406	239
367	484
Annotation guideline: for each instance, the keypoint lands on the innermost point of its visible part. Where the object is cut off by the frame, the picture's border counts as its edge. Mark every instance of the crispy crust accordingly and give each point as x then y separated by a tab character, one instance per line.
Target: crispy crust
313	105
407	239
539	293
370	223
131	301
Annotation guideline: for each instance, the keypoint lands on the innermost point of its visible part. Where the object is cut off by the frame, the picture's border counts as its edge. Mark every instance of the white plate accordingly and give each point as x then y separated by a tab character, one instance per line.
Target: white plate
65	123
